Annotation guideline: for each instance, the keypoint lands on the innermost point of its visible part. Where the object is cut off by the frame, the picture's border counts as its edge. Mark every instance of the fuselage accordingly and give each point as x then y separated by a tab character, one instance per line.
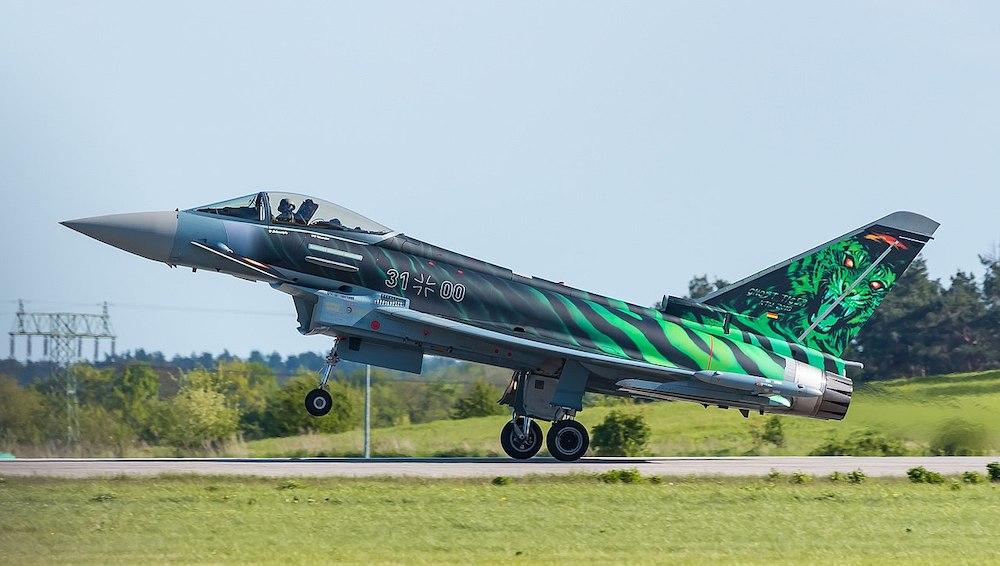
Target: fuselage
767	343
458	287
315	250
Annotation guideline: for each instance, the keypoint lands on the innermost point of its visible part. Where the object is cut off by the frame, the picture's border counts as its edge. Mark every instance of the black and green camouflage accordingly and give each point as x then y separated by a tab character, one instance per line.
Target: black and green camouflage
806	309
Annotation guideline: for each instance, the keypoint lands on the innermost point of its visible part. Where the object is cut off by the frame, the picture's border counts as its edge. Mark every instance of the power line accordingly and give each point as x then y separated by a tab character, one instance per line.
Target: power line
175	308
155	307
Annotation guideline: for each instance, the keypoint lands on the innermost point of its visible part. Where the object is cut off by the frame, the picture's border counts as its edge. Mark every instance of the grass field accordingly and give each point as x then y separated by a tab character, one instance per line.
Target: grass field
911	410
202	520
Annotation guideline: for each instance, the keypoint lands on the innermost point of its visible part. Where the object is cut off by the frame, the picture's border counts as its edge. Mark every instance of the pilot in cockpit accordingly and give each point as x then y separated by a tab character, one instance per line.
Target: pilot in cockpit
286	211
306	211
292	209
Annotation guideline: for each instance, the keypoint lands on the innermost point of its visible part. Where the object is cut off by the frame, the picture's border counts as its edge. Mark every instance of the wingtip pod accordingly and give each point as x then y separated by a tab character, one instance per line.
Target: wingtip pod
911	222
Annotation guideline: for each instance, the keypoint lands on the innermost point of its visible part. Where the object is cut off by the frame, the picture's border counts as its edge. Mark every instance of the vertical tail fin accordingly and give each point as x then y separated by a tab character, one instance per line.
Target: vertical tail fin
823	297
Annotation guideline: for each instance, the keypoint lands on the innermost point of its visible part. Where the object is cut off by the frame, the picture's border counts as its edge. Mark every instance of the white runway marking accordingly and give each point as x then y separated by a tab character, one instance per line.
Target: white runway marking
484	467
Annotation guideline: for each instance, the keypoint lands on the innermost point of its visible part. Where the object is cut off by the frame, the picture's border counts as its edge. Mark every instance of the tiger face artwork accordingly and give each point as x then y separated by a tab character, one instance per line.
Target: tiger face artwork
822	299
836	300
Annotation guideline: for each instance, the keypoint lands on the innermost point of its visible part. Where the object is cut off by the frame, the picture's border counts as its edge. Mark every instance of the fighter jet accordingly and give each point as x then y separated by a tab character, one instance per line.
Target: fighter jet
771	343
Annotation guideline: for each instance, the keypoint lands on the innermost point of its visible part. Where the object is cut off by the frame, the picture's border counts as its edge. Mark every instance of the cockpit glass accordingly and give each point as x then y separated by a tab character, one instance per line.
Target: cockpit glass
300	210
244	207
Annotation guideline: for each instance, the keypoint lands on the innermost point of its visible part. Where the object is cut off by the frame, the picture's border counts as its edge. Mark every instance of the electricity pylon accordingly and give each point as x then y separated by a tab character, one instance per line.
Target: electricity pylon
62	336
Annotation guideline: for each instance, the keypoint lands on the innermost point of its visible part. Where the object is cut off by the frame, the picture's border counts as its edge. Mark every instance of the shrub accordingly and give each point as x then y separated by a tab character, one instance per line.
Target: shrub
857	476
621	434
771	432
958	437
99	428
866	442
21	414
630	475
502	480
994	470
198	418
921	474
800	478
973	477
133	390
774	475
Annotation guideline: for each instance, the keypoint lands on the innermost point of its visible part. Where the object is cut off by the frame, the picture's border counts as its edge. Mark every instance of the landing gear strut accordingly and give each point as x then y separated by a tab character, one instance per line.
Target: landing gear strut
318	401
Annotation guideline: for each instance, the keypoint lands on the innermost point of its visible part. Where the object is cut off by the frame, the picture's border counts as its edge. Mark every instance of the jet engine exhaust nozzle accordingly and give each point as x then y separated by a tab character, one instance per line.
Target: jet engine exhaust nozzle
836	397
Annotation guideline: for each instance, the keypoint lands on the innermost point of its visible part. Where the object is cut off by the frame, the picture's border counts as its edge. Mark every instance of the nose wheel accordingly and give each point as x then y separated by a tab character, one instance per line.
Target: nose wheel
567	440
521	438
318	402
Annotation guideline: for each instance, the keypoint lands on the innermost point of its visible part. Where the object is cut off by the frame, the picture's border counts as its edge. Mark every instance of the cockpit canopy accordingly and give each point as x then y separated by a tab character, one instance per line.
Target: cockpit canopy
294	210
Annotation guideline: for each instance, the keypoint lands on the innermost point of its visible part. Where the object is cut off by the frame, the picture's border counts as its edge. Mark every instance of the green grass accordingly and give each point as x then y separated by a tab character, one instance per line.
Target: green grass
566	519
909	410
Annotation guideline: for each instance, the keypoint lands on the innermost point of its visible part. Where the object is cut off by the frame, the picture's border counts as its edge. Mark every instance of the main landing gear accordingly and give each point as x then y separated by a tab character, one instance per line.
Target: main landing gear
521	438
318	401
567	440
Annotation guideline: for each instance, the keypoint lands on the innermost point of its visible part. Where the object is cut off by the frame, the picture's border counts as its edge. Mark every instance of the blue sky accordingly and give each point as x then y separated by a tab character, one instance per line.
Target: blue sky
618	147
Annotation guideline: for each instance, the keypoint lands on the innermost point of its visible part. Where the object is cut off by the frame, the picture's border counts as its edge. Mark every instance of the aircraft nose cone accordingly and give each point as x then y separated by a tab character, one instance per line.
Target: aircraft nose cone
148	234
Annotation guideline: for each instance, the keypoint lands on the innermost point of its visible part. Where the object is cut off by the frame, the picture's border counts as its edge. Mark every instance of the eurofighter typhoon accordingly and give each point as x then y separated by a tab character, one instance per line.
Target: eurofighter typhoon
771	343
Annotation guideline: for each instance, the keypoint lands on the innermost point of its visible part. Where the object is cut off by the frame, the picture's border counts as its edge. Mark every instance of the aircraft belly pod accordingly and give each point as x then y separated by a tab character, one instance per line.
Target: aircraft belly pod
770	343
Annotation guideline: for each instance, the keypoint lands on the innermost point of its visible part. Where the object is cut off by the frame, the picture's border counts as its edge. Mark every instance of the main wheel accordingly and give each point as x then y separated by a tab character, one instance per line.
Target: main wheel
318	402
521	447
567	440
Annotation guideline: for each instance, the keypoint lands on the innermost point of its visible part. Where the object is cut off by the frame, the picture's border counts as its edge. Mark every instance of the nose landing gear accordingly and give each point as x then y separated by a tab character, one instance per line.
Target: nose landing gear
318	401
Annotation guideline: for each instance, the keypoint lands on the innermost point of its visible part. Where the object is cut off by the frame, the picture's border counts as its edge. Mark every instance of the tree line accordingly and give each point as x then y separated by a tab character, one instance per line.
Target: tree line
129	406
283	367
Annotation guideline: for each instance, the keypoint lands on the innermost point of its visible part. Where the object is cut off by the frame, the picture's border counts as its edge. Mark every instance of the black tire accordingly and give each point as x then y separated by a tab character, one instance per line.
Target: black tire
318	402
567	441
518	447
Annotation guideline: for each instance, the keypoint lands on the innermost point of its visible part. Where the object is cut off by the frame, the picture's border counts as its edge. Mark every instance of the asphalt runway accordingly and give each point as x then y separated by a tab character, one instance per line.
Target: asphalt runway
482	467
